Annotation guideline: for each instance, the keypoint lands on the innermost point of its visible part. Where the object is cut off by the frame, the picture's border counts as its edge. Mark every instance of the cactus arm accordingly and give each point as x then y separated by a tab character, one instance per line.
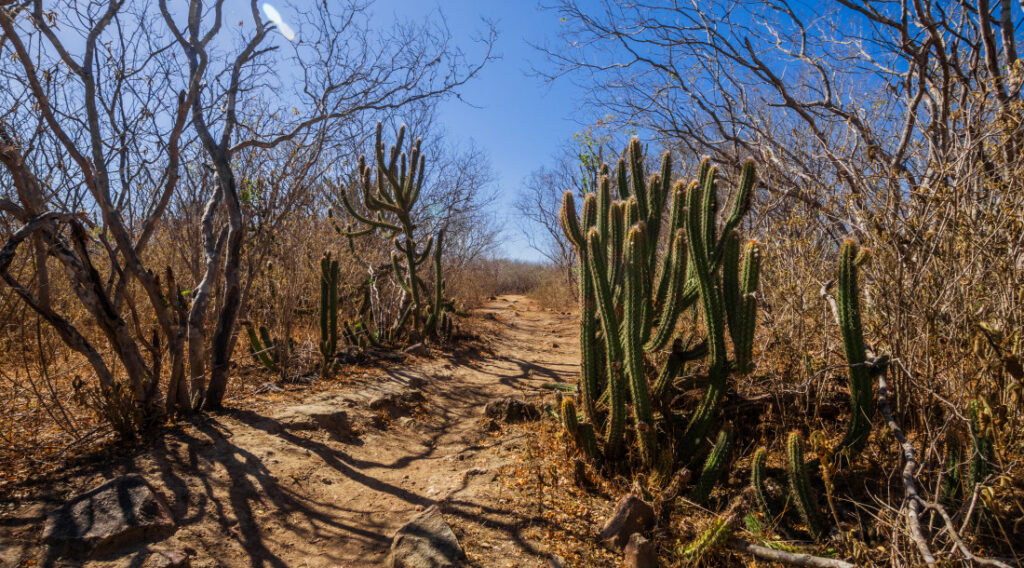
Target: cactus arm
613	348
438	304
671	309
636	170
712	305
622	177
632	337
741	202
748	288
365	220
570	221
709	212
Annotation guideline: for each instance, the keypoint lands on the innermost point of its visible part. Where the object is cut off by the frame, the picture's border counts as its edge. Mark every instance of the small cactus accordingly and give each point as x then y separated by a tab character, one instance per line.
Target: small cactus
983	450
713	537
758	474
713	467
800	488
263	349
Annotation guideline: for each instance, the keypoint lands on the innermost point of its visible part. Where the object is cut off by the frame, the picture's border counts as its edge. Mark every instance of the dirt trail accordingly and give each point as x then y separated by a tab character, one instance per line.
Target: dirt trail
246	492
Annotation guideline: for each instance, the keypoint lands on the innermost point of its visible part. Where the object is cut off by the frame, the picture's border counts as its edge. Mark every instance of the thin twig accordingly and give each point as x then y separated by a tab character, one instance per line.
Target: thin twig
793	558
951	529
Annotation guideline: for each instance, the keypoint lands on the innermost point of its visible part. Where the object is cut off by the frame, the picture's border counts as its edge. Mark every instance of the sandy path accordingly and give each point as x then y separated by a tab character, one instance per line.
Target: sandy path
247	493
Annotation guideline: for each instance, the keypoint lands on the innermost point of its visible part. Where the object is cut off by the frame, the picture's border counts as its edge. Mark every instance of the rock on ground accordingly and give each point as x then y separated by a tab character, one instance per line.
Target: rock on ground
632	515
510	409
640	553
316	417
122	511
426	541
168	559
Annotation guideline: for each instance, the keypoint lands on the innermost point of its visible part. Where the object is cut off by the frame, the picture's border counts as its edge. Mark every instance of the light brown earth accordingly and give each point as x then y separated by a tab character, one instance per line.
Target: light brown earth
245	492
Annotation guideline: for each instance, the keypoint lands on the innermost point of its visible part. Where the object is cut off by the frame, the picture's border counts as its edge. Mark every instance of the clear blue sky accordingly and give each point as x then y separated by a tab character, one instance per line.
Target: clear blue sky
519	120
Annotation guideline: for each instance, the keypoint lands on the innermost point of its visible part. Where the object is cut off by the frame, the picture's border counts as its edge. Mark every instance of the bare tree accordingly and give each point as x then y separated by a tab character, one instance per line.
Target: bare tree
92	147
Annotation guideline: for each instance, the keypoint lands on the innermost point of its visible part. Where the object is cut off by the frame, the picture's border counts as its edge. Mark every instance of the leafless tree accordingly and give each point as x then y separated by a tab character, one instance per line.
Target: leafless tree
100	107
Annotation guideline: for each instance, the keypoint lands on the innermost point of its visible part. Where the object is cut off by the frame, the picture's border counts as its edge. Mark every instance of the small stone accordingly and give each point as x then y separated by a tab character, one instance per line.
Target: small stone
122	511
631	515
317	417
426	541
509	409
168	559
640	553
417	349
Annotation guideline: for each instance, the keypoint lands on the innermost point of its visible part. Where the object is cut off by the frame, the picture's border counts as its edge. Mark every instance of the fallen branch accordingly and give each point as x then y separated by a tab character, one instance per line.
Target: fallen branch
792	558
970	556
914	500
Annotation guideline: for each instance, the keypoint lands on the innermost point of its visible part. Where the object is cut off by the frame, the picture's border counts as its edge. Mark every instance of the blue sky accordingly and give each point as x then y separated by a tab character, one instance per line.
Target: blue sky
519	120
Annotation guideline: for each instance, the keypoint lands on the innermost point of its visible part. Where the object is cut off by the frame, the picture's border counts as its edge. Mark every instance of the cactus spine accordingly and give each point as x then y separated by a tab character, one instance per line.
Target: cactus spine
800	488
862	402
713	467
328	312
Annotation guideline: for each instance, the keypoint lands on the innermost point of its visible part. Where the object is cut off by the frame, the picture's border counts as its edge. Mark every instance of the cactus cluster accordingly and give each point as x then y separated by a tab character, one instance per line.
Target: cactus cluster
640	271
390	191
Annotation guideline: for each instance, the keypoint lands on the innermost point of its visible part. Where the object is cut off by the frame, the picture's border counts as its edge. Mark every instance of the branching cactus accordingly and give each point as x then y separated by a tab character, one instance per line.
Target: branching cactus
389	193
648	248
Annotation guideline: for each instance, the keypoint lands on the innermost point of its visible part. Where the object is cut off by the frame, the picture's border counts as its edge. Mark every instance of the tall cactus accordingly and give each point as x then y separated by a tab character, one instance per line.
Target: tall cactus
390	192
328	313
862	401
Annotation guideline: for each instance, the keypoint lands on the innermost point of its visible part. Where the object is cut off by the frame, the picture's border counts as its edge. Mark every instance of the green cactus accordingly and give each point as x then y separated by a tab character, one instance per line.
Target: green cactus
389	193
714	466
713	537
711	301
589	357
328	313
588	440
263	349
800	488
952	482
632	336
862	402
758	467
983	449
569	419
613	347
739	287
